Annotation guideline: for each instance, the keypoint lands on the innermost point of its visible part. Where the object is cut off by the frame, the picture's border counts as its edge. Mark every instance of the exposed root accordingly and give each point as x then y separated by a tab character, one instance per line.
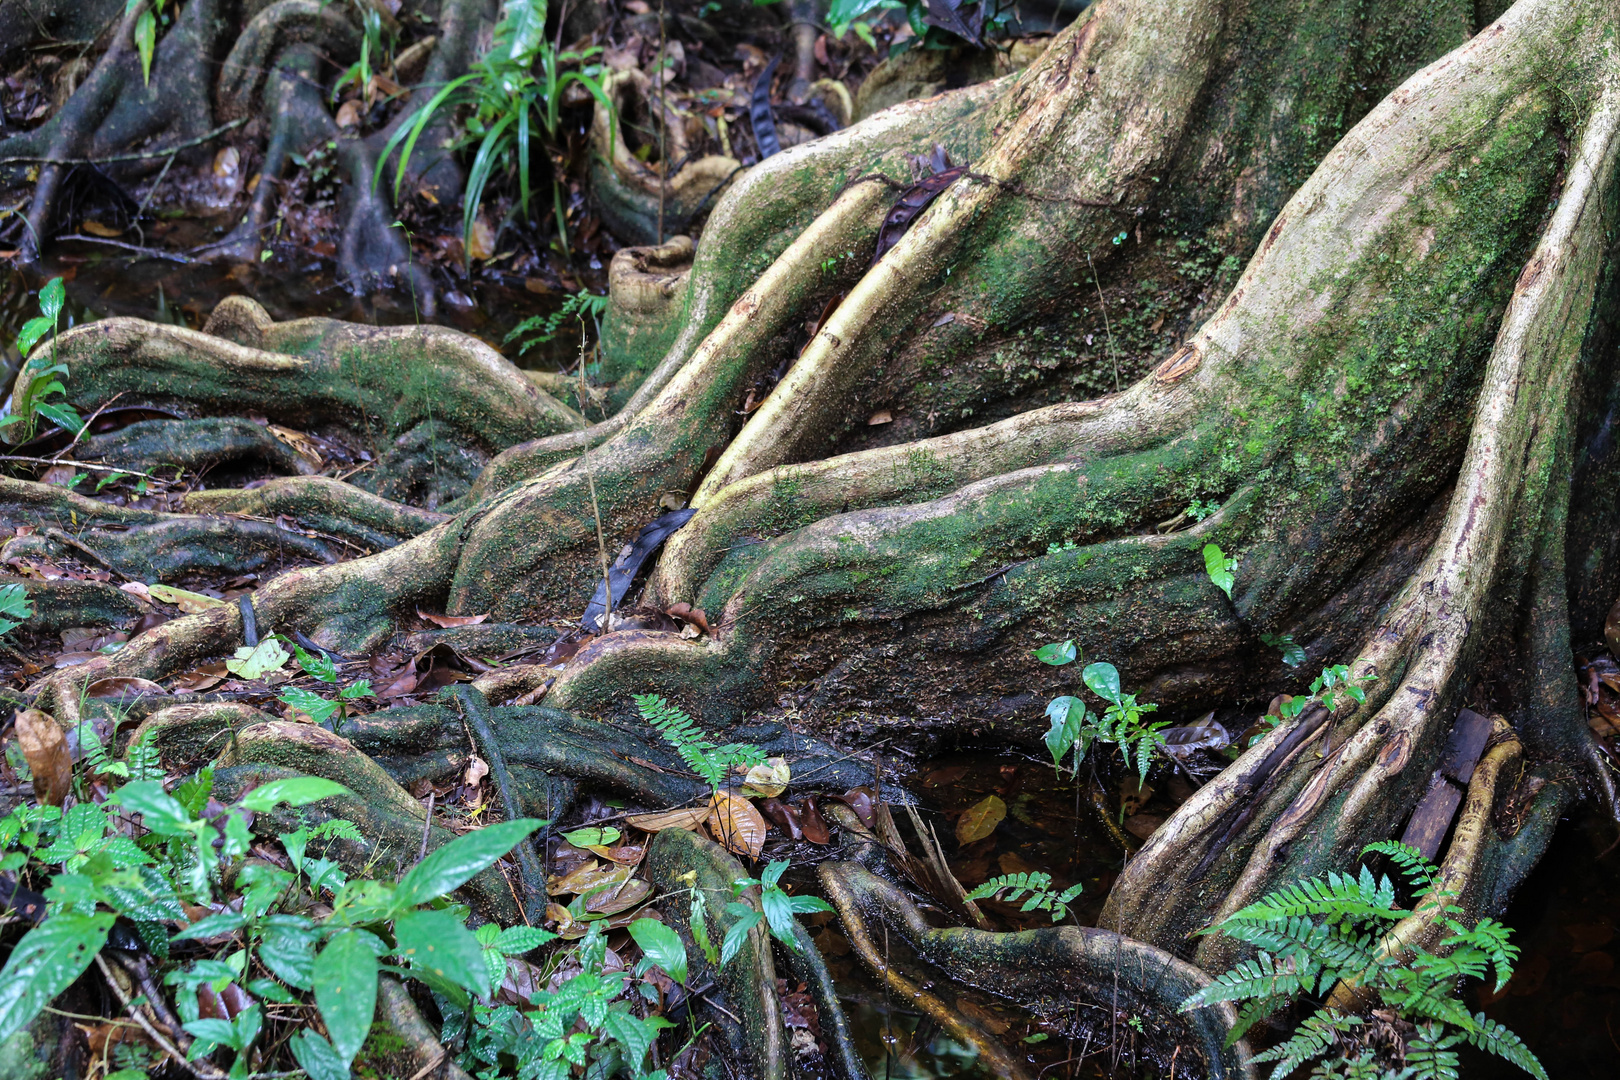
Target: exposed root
1056	973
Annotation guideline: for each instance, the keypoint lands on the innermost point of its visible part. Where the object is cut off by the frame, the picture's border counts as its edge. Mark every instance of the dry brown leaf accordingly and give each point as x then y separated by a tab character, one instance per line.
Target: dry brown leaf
980	820
348	114
452	620
586	877
298	443
623	854
689	819
96	228
477	769
882	416
45	747
737	824
483	240
121	687
227	162
204	678
769	780
611	901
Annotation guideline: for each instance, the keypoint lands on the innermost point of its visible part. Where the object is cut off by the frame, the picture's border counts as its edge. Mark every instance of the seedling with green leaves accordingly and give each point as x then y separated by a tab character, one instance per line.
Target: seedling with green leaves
1312	934
37	382
1219	568
776	906
14	607
1074	726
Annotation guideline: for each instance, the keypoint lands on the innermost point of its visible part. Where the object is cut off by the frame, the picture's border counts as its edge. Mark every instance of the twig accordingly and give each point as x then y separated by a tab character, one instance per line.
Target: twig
438	1059
201	1070
151	253
142	156
86	426
590	479
84	549
427	826
79	465
1109	330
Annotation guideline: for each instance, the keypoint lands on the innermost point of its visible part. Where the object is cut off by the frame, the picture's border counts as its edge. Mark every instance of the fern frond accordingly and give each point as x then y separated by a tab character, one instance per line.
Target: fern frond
1418	870
1261	977
1037	885
683	734
1251	1013
1490	939
1338	896
1315	1037
1430	1053
1486	1034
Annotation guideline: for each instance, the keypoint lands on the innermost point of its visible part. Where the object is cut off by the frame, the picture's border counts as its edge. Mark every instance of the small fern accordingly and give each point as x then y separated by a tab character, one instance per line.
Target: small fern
1309	935
713	763
142	758
1042	897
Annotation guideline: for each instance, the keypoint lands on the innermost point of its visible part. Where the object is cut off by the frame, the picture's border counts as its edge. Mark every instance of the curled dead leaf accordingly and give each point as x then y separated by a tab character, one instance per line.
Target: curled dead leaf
980	820
477	769
452	620
689	819
122	687
736	824
769	780
189	602
45	748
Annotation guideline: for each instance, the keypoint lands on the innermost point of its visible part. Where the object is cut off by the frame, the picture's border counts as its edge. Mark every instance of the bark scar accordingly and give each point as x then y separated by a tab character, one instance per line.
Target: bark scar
1181	363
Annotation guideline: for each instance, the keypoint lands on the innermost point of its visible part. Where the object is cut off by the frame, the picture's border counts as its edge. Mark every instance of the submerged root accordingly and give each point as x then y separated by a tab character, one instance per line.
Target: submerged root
1092	978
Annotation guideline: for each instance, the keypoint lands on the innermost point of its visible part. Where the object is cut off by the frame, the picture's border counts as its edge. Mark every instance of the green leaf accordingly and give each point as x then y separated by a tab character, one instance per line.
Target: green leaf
317	1058
288	949
63	416
747	918
1219	568
661	946
593	836
294	791
840	13
317	664
159	812
1103	680
452	865
31	332
526	27
51	299
46	962
438	941
516	940
226	922
318	709
1067	715
1058	653
145	41
345	983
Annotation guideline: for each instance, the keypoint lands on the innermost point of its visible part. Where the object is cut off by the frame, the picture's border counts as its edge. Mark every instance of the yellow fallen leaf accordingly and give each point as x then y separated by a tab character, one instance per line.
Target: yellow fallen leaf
980	820
96	228
483	240
189	602
45	749
769	780
736	824
227	162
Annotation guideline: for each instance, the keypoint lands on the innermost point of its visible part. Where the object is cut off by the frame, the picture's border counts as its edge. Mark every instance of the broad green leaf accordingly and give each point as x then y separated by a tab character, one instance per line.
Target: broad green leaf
63	416
31	332
662	946
288	950
317	708
526	25
1219	568
159	812
1103	680
840	13
143	893
452	865
1067	715
214	1030
294	791
317	664
258	661
226	922
439	942
515	940
747	918
779	916
345	982
317	1058
591	837
1057	653
634	1034
46	962
51	298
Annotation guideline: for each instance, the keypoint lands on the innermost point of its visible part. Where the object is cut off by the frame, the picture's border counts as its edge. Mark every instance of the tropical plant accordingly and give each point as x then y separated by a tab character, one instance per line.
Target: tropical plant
1074	727
539	329
318	708
712	763
1038	886
935	24
14	606
513	102
37	380
776	906
1313	934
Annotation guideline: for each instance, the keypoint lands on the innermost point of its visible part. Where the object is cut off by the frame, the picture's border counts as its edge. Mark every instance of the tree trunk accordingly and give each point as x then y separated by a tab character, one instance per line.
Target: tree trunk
1340	271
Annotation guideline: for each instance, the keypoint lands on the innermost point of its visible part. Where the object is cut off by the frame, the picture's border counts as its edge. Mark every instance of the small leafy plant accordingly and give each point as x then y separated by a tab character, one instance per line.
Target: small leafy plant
1219	568
1074	727
1038	886
539	329
322	709
1315	933
712	763
37	381
935	24
777	908
1325	690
